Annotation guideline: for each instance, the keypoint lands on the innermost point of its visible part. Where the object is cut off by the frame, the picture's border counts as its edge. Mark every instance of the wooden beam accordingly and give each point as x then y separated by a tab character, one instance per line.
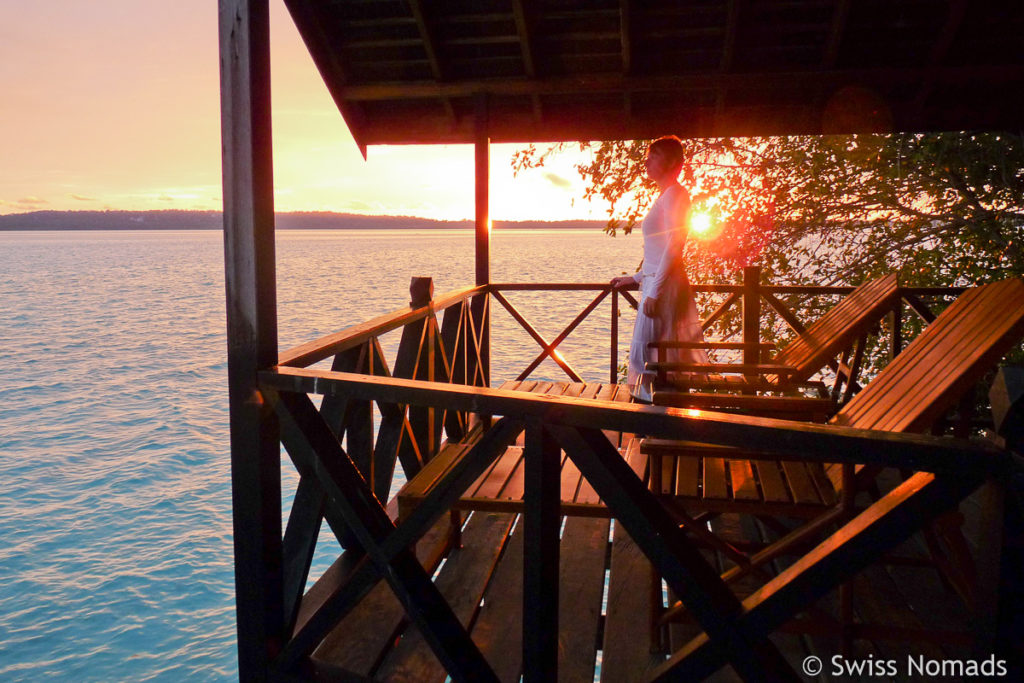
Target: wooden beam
482	166
251	330
863	540
429	43
626	34
350	496
671	553
837	27
319	43
732	20
751	313
940	47
332	344
540	564
771	438
613	83
524	31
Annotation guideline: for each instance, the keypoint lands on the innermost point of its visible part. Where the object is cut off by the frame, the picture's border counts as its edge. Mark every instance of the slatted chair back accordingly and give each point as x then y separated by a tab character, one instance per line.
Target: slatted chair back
943	362
838	328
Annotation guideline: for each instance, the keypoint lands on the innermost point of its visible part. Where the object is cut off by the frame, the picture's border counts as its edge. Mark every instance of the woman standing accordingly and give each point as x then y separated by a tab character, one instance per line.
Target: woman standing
667	311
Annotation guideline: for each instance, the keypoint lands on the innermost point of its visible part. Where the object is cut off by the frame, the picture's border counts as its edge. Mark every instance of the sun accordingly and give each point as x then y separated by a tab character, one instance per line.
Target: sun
700	222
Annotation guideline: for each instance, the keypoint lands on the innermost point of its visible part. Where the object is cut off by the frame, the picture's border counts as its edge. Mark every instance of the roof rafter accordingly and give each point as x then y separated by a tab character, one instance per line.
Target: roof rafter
732	18
430	47
940	47
610	82
835	33
524	28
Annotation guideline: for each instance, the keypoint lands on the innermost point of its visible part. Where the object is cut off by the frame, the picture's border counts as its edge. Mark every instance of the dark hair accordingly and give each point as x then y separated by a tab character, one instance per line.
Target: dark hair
671	147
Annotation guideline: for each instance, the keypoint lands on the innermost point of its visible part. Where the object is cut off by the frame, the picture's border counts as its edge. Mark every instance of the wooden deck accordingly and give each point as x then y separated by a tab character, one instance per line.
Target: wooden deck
901	608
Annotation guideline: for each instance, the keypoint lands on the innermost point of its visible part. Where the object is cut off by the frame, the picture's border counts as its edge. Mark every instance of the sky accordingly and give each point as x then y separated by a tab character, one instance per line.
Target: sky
115	104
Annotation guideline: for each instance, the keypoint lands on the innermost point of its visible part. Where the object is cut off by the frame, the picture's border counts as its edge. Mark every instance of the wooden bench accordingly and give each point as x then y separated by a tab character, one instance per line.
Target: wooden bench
847	322
500	488
911	394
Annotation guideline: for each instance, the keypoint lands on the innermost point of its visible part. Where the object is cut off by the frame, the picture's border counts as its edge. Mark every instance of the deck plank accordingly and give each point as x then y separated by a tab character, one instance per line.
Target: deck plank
498	630
359	641
583	555
462	582
626	655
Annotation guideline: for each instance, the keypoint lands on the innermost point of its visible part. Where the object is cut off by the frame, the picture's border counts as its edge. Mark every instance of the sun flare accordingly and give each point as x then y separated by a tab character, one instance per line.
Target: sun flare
700	222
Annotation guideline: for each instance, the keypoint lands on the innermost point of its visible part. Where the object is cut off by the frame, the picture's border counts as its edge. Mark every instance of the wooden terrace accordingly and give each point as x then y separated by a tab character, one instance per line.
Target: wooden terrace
546	527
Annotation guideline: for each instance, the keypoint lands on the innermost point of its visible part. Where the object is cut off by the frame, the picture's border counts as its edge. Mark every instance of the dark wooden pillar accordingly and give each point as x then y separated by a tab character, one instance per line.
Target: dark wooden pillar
251	329
541	526
482	163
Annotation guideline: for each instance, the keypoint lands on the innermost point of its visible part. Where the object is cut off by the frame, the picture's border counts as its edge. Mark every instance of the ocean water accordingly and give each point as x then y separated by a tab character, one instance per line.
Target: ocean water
115	518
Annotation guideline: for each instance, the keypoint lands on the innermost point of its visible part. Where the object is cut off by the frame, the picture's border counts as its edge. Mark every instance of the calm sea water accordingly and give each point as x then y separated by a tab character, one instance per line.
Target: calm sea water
115	518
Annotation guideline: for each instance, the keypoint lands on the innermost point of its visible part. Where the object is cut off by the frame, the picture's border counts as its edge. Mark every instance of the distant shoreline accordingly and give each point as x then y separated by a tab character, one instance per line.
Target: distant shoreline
213	220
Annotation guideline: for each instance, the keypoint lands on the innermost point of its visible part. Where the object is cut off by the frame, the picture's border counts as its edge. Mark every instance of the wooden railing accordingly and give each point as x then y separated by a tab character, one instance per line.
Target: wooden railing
753	298
446	339
735	632
440	376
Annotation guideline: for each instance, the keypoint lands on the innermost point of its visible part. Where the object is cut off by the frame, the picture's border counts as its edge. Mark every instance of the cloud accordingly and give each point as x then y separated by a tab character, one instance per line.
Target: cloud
165	198
356	205
557	180
31	201
83	198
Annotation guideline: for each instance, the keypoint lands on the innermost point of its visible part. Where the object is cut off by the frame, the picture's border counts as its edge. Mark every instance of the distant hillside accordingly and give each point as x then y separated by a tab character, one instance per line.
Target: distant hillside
211	220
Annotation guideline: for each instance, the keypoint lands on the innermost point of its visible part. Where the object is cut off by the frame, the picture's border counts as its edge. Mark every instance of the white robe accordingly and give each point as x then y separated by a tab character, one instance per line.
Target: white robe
662	277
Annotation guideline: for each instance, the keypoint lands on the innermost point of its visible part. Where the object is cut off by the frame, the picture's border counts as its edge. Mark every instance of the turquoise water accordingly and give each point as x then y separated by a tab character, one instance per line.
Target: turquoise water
115	523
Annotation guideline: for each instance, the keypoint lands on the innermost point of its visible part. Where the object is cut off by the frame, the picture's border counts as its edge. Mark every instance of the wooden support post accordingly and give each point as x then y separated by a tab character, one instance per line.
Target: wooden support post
751	314
613	370
248	187
896	324
421	418
540	565
483	232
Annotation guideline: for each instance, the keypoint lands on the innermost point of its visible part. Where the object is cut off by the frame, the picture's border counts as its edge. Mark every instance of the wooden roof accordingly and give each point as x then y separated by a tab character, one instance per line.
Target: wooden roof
415	71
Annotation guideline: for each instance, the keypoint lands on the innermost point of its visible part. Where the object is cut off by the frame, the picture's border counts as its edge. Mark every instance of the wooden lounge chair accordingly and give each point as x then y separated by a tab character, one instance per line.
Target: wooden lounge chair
847	322
909	395
500	487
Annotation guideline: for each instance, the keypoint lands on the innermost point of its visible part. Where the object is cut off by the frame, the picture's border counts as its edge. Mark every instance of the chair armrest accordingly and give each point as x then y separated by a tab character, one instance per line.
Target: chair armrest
723	368
786	407
740	346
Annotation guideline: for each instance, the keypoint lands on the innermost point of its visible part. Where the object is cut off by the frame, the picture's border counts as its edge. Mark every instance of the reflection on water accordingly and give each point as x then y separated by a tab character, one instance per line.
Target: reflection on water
115	523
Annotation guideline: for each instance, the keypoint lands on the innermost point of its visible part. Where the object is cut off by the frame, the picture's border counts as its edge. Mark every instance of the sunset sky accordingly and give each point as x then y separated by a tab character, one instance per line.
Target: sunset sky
114	104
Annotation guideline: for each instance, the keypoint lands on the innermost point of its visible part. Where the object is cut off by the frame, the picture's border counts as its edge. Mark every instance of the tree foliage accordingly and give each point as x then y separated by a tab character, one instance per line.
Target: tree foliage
942	209
939	209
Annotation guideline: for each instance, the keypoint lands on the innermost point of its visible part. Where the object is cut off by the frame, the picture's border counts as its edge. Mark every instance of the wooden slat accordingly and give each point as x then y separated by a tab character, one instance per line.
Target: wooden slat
495	480
687	477
800	482
570	477
498	630
741	475
581	587
839	326
325	347
772	486
361	638
461	581
714	479
626	657
970	334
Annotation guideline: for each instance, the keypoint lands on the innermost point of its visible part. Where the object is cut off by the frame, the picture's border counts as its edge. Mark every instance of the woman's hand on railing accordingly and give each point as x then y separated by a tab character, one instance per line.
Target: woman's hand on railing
623	281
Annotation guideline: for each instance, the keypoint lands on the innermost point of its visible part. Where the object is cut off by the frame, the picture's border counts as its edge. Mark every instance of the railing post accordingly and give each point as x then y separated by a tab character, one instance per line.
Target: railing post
422	419
483	232
244	34
613	371
541	517
752	313
896	323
